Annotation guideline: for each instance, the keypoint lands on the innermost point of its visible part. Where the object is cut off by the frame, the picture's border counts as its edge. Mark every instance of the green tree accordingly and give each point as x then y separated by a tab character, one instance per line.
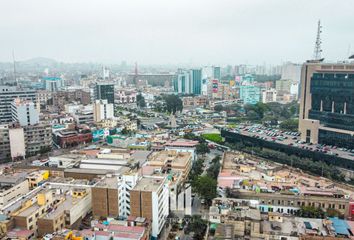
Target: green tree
202	148
197	169
290	125
214	169
140	101
205	187
218	108
173	103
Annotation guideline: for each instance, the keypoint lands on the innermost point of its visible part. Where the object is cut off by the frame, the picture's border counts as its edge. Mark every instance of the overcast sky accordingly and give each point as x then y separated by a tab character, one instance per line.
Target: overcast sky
175	31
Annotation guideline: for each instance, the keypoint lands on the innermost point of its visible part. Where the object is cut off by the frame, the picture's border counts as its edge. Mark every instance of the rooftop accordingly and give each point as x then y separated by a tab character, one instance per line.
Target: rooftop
150	184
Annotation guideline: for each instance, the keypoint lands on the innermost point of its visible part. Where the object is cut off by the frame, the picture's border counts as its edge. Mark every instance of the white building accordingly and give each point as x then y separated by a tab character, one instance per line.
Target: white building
269	95
102	110
24	112
150	199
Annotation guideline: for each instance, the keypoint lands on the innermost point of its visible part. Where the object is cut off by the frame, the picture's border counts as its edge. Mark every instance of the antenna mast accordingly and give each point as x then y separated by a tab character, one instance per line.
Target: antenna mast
13	58
317	52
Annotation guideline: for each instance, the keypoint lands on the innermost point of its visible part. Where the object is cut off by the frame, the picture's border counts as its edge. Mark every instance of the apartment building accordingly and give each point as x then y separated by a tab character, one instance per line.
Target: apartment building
111	196
12	186
5	152
183	146
149	199
102	110
174	160
52	210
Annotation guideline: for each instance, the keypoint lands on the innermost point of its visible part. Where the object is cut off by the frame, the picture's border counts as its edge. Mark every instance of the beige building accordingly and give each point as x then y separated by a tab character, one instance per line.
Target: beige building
269	95
327	104
52	210
12	186
172	160
102	110
149	199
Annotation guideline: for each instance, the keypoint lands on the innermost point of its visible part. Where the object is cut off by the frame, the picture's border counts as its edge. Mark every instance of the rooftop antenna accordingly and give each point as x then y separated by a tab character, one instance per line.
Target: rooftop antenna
317	51
14	62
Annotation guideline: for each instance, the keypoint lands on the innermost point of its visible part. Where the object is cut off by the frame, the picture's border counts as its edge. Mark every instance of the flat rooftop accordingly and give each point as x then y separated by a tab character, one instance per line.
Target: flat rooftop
150	184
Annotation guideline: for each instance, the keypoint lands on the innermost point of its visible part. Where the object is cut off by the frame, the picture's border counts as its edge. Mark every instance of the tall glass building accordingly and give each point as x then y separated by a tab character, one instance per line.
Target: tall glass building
327	104
188	81
104	91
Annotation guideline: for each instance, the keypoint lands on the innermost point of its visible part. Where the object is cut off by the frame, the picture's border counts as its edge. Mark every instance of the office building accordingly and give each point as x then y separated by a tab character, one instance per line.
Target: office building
269	95
24	112
149	199
52	84
250	94
188	81
104	91
327	104
7	96
102	110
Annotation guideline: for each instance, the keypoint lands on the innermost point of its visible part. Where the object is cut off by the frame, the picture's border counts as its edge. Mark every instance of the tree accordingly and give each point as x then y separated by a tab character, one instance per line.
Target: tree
218	108
173	103
202	148
214	169
290	125
205	187
197	169
140	101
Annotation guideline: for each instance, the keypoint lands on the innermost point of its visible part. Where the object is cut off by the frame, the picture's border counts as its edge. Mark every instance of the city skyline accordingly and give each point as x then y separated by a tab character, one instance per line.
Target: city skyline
177	32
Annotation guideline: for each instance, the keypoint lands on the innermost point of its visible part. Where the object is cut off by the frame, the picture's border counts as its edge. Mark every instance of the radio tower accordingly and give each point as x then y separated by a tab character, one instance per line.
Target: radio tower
136	73
317	52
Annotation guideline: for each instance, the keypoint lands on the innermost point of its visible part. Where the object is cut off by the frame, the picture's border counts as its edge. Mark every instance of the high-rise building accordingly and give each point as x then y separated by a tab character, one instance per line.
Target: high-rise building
327	104
24	112
250	94
53	84
188	81
104	91
217	73
7	96
196	79
102	110
150	199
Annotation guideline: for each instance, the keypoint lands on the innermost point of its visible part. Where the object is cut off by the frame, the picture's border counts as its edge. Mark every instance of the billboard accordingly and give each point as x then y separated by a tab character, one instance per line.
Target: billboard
215	85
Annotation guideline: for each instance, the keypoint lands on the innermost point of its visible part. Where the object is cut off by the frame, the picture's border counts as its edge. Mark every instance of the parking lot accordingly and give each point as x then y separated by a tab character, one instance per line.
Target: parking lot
291	139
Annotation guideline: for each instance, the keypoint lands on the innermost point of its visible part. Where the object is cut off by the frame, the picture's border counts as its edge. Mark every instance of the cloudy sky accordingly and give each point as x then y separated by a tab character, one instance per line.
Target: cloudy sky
175	31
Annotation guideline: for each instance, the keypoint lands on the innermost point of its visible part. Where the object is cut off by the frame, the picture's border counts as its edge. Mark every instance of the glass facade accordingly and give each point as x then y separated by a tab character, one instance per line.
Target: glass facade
105	91
333	100
197	81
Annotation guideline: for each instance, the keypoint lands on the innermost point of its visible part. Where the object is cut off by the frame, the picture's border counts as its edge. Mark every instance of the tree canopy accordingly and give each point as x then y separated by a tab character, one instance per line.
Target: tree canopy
140	101
173	103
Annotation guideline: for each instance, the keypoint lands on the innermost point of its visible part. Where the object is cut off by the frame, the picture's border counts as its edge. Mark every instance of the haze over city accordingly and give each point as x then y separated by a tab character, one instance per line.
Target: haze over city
176	119
172	32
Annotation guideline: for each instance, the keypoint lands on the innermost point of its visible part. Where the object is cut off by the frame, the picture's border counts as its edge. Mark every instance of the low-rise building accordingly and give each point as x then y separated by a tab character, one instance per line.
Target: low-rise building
172	160
12	186
69	138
